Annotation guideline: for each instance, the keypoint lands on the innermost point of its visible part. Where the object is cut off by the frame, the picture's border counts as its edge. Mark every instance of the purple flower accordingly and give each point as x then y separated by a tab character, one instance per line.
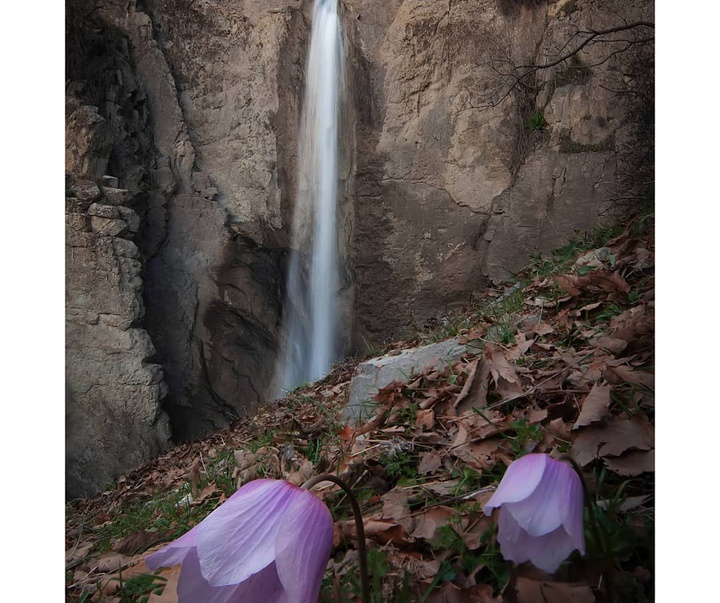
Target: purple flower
268	543
541	512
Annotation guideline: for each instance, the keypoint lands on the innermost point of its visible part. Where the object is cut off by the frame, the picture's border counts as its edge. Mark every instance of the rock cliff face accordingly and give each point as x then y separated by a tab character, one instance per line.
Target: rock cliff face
462	156
114	390
465	169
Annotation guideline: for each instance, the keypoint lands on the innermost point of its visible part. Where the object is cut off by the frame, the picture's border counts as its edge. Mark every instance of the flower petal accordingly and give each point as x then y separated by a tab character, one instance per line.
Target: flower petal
571	505
512	538
541	512
519	481
303	548
237	539
192	587
548	551
175	552
265	586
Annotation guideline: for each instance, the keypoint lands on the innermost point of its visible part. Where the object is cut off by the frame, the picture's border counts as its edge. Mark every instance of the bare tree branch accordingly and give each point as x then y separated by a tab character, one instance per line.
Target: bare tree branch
591	35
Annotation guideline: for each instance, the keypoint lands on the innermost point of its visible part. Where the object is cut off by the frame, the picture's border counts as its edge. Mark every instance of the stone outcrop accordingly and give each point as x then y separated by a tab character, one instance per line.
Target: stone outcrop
452	173
211	292
114	390
374	374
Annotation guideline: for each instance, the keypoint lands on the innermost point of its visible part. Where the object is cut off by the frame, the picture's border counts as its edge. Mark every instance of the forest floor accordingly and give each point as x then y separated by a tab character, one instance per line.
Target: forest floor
560	361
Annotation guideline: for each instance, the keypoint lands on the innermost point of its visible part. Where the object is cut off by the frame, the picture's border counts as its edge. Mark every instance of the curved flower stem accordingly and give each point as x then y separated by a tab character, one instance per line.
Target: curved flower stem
326	477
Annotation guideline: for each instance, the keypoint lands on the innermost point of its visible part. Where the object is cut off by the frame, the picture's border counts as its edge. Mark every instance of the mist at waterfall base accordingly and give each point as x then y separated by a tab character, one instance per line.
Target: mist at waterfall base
310	319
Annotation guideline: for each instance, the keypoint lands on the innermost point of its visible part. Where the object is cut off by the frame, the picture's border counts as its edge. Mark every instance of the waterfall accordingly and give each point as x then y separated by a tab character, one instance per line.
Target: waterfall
311	305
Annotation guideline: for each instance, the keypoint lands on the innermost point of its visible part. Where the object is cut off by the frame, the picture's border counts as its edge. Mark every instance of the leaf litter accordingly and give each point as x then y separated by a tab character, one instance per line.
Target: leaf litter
573	376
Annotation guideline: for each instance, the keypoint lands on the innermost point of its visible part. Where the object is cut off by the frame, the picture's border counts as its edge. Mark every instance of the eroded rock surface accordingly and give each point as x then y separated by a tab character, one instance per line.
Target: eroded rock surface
114	390
462	176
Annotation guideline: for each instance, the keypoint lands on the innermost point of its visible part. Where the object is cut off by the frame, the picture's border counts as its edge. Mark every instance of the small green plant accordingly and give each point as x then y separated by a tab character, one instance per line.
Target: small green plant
601	234
168	514
139	588
536	122
607	314
293	390
342	583
634	296
469	479
526	437
378	568
446	573
447	539
220	471
488	555
492	560
568	8
407	415
503	313
400	465
266	439
447	327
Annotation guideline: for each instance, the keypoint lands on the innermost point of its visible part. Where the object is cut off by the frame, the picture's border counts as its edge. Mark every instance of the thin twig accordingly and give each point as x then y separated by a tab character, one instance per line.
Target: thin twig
536	387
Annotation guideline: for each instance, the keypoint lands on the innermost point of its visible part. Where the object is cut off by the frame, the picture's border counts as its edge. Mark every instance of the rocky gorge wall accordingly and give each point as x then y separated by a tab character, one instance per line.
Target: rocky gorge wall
455	170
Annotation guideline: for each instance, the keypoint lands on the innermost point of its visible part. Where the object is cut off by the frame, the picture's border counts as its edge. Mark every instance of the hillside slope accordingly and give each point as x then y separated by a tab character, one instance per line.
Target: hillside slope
561	361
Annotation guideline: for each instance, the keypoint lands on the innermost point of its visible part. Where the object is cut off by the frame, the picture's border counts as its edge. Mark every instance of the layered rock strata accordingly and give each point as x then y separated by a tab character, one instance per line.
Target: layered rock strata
113	389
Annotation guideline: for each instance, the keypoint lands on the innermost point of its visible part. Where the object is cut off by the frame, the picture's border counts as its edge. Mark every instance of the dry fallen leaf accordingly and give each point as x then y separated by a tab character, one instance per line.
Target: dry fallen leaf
302	473
567	284
595	406
613	345
538	591
397	509
632	463
139	541
522	345
506	380
624	374
427	523
476	396
473	534
110	562
425	418
430	461
612	438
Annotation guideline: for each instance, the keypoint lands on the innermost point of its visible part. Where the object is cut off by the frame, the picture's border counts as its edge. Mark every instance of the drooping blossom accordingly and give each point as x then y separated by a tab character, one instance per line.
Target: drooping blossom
541	512
268	543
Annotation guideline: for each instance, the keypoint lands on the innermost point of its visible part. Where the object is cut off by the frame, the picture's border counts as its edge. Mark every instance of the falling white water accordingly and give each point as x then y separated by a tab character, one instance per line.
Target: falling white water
311	313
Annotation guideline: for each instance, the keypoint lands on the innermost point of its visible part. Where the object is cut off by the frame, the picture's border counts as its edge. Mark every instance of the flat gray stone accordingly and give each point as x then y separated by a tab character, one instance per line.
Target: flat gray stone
374	374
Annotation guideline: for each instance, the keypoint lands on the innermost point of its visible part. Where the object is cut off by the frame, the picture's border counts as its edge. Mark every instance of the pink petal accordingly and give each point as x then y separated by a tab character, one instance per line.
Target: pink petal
541	512
546	552
263	587
193	588
175	552
512	538
303	548
237	540
549	551
571	505
519	481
